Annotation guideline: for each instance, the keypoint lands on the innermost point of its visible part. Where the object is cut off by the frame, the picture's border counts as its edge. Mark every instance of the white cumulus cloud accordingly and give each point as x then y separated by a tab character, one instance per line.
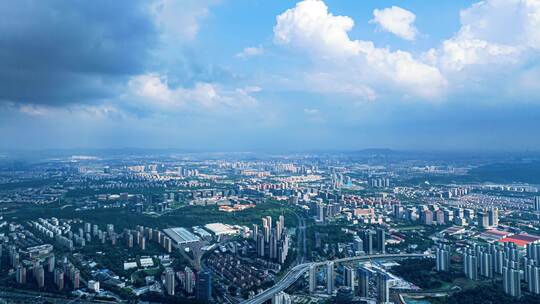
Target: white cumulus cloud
492	32
494	54
311	28
397	21
310	25
155	91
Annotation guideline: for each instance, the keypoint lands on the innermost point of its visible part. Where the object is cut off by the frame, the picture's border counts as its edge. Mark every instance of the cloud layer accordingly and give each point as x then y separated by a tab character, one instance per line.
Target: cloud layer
311	28
154	91
494	32
397	21
484	56
69	52
286	75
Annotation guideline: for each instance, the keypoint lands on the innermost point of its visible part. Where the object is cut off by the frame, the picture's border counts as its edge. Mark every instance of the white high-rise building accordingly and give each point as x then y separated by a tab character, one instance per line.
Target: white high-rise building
255	232
189	280
511	282
312	278
281	298
531	275
493	216
169	281
383	288
330	277
349	277
470	265
443	259
363	282
536	204
486	265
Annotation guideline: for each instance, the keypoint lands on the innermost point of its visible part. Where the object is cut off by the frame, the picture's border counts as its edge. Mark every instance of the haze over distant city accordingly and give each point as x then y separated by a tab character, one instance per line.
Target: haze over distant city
254	75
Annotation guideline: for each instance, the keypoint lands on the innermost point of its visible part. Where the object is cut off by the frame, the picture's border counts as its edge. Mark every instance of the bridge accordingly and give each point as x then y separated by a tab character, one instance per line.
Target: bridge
298	271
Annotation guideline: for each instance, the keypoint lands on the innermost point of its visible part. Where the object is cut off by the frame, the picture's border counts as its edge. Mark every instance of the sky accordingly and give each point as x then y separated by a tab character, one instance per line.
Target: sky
260	75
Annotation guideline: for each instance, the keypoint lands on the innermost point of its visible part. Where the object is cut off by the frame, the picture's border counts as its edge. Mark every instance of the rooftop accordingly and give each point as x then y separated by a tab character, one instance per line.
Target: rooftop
181	235
520	239
220	229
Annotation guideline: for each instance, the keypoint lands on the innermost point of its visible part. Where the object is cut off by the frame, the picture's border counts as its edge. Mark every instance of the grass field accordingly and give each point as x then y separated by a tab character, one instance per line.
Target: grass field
182	217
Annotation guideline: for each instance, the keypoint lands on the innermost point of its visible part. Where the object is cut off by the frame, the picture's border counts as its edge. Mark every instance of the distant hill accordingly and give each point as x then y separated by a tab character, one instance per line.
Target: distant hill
525	172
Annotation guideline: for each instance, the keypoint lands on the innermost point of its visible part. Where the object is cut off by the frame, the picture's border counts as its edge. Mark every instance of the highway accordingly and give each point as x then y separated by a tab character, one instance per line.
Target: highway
301	243
299	270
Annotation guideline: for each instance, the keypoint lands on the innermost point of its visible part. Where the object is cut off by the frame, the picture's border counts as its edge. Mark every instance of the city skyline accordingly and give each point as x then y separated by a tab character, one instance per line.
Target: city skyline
222	75
254	229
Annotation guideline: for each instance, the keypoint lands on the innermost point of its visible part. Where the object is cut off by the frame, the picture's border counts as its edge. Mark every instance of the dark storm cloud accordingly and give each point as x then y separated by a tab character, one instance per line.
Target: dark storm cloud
59	52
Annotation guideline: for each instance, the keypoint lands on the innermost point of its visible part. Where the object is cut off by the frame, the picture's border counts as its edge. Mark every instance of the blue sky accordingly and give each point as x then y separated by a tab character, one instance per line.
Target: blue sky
253	75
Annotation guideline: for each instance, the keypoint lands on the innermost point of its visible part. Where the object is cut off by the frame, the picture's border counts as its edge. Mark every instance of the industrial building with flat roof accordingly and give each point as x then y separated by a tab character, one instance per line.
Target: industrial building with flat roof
201	232
221	229
181	236
521	239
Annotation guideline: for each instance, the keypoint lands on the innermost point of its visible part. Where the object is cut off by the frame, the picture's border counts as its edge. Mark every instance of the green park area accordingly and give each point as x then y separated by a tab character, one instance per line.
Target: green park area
186	216
488	293
421	272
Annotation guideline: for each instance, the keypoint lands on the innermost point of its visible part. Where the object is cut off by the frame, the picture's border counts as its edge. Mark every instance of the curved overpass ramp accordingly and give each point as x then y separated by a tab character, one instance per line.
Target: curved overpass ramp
299	270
